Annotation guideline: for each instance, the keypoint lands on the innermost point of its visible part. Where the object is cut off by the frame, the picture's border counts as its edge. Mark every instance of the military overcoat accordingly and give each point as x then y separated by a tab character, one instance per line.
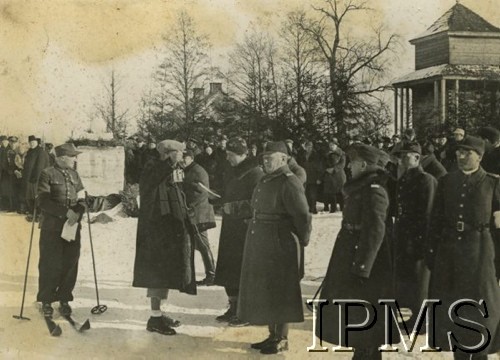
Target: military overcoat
361	264
237	212
272	261
461	254
415	192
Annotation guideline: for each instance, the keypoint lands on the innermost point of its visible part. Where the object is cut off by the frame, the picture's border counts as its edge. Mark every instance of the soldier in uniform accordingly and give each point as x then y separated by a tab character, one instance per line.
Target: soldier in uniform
242	177
271	271
202	212
60	197
361	264
415	191
461	251
164	256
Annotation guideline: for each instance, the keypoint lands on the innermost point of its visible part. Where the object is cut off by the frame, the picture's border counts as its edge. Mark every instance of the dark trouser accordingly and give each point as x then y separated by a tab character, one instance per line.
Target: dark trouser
30	196
58	267
330	201
312	195
278	331
203	246
412	283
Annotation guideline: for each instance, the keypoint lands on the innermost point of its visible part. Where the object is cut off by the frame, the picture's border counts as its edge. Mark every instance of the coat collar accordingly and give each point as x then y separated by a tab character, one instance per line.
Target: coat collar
412	173
357	184
282	170
472	179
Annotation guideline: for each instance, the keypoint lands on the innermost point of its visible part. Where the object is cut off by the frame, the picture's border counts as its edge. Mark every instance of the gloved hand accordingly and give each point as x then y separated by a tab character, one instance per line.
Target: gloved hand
72	217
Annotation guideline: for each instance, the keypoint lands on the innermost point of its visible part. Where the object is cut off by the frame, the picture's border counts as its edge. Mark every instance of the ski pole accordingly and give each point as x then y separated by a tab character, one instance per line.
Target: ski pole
20	316
99	308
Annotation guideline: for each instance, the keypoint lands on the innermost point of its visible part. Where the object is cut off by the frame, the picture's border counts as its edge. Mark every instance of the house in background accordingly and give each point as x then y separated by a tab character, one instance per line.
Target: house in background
457	75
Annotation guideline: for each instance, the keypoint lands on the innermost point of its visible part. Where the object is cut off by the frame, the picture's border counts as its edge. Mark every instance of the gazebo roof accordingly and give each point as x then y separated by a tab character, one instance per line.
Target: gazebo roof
459	19
462	72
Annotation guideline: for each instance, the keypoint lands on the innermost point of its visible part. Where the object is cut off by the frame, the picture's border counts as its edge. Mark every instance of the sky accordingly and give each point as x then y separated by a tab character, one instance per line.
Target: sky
56	55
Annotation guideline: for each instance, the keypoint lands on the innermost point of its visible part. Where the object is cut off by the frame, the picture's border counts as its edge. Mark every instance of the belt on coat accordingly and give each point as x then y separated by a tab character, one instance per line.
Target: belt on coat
269	217
351	227
461	226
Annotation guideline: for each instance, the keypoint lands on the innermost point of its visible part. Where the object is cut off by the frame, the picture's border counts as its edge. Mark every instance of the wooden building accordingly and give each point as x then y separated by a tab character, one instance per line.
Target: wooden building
456	78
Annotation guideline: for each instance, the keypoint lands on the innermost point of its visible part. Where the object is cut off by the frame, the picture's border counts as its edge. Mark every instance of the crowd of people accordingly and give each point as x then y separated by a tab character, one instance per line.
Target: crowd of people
20	167
420	219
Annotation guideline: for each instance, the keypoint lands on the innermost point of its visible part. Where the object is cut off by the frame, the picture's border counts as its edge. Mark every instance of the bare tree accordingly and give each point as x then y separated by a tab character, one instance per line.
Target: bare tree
253	75
302	69
355	66
115	120
184	67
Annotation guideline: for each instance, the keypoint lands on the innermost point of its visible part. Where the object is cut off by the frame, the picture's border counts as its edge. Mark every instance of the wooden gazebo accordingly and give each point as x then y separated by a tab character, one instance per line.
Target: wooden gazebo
457	55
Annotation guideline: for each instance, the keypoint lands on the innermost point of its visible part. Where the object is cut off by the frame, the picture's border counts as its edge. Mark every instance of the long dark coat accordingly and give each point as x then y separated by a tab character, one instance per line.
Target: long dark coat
271	272
313	165
432	166
164	248
462	262
334	181
197	198
415	192
242	180
36	160
491	161
361	264
7	168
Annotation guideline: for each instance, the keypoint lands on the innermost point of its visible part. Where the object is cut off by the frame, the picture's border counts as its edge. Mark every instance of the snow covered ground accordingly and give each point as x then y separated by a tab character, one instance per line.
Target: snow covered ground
120	332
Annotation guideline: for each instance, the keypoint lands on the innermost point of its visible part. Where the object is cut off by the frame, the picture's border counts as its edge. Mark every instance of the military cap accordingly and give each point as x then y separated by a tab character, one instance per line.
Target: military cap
13	138
489	133
276	147
189	153
3	137
31	138
364	152
335	141
237	145
410	147
170	145
67	149
223	137
140	139
472	143
288	141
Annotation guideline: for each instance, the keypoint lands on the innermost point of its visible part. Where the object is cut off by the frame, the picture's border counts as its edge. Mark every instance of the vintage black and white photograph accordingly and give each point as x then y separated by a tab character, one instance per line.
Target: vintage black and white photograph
242	179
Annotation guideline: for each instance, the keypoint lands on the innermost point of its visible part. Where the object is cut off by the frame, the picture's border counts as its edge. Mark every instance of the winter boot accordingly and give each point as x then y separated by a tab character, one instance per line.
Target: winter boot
228	315
275	346
64	308
158	324
47	310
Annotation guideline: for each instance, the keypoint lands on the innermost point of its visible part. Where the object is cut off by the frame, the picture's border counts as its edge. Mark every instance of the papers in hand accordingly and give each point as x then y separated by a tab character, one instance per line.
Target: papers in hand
210	193
69	231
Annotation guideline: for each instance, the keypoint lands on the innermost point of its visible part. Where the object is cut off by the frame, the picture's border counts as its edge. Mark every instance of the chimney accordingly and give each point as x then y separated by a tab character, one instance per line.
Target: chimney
215	87
198	93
